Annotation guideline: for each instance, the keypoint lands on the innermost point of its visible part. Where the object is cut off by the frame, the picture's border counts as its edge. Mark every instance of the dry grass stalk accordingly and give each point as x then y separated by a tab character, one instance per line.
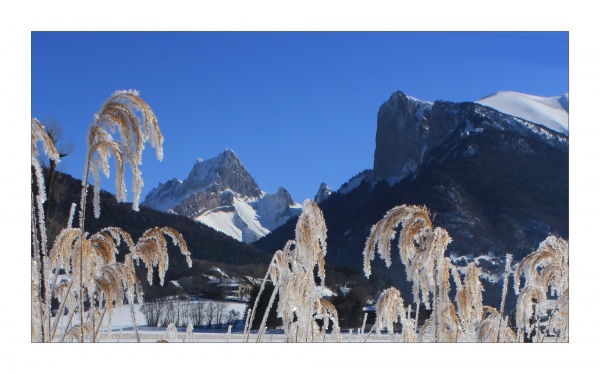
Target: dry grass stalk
89	262
151	249
327	312
42	316
291	271
171	333
545	294
115	283
189	333
421	248
389	309
74	333
469	299
493	329
120	114
36	305
278	270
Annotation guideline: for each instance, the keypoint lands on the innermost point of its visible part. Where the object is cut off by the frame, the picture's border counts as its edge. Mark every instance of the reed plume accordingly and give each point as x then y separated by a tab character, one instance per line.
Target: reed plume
493	329
89	261
115	283
292	272
151	249
120	114
469	299
389	309
545	294
38	232
326	312
421	248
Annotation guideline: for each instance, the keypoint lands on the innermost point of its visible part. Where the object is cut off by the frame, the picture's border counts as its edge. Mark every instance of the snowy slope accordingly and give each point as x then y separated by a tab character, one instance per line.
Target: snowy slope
551	112
249	219
241	223
273	210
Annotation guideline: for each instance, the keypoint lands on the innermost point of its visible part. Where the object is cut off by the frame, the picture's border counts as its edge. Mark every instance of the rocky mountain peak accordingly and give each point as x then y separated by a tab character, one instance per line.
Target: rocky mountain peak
224	170
323	193
410	131
221	193
404	135
284	196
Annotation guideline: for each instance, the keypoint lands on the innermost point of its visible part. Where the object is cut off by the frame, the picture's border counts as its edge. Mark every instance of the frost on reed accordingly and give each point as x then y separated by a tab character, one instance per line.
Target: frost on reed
421	247
151	248
543	303
390	309
189	333
171	333
292	272
80	272
107	283
120	114
40	305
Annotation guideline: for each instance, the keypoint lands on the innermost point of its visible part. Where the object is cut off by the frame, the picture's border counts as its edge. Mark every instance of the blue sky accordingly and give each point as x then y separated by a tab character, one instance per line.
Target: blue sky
298	108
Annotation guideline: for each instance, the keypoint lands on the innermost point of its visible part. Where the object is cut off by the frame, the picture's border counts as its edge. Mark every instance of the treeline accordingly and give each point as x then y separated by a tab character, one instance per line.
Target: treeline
180	313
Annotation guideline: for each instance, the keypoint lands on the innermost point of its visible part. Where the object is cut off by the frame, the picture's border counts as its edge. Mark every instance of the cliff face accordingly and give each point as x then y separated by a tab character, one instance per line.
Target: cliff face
411	131
404	135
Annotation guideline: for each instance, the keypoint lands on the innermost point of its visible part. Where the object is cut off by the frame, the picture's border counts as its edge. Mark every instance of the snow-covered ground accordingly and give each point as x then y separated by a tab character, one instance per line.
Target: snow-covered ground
241	224
152	335
122	331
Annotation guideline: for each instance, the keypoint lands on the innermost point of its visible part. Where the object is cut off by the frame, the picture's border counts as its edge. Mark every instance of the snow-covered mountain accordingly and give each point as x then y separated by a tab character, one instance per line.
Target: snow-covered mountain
552	112
498	183
220	193
410	131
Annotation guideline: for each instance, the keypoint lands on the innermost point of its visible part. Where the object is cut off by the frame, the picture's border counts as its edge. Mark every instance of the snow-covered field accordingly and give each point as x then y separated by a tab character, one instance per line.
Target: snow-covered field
122	331
155	334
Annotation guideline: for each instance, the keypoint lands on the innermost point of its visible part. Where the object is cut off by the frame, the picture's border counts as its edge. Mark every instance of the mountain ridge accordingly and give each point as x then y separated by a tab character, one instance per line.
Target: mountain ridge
497	183
408	130
222	194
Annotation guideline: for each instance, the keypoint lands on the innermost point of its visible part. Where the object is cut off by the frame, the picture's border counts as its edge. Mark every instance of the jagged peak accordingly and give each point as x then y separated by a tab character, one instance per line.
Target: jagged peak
225	159
285	195
323	193
228	154
407	104
171	182
401	96
225	169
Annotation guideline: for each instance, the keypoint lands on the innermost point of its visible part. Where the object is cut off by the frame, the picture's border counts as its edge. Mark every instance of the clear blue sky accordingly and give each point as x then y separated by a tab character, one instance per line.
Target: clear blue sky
297	108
